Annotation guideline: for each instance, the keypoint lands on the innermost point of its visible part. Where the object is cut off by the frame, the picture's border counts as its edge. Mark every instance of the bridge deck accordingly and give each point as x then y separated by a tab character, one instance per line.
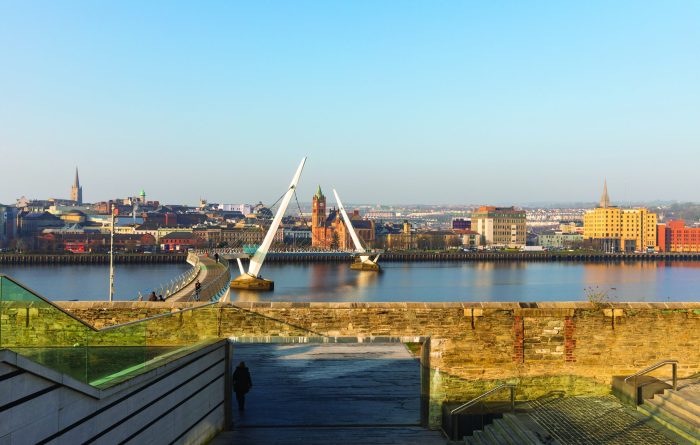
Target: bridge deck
208	272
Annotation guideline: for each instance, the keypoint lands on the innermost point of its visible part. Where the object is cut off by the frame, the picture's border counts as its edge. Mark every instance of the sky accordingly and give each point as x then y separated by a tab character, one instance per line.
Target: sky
443	102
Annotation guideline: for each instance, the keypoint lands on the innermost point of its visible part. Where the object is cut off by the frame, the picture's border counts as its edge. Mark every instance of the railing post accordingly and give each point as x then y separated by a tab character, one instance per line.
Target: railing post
455	426
675	375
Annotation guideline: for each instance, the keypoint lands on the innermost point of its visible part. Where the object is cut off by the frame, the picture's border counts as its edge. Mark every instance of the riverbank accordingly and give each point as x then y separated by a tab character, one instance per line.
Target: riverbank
405	257
127	258
344	257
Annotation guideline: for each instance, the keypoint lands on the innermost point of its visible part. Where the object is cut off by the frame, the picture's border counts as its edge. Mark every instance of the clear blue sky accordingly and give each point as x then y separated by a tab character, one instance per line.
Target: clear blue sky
393	101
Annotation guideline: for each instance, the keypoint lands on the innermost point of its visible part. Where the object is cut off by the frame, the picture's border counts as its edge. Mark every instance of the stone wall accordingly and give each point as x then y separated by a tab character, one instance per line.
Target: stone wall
572	347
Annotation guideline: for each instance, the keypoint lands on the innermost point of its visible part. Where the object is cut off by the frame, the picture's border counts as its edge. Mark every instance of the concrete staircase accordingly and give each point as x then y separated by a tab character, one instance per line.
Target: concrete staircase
678	411
512	429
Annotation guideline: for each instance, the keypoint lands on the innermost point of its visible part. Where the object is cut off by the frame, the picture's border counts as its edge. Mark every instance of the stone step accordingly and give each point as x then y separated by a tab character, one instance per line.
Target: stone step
523	433
479	438
678	406
673	422
497	432
510	437
490	434
690	400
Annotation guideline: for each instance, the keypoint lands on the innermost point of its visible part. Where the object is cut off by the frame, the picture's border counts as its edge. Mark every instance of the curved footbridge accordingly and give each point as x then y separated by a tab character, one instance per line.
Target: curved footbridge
213	276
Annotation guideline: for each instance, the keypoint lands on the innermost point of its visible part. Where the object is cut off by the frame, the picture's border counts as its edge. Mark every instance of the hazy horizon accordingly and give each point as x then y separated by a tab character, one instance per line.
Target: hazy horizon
393	102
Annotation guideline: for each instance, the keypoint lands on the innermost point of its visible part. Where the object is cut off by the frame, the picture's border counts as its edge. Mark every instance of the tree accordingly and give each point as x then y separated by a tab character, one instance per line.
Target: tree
335	241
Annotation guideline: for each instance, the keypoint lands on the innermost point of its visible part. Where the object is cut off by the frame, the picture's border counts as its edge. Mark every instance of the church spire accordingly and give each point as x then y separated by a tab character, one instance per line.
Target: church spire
605	199
319	193
76	192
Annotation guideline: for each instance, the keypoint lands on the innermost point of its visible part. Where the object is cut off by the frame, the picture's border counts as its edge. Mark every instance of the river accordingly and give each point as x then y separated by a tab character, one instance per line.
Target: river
91	282
472	281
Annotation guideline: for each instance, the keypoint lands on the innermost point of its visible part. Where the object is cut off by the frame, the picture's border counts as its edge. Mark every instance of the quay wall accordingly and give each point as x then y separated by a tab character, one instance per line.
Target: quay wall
403	257
155	258
575	347
329	257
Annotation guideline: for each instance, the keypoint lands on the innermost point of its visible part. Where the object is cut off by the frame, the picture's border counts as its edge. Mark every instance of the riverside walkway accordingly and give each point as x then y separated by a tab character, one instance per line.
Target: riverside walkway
345	394
211	276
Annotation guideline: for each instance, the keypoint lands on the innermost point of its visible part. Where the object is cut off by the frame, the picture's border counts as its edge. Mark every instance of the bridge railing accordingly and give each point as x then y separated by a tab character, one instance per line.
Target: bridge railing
215	288
176	284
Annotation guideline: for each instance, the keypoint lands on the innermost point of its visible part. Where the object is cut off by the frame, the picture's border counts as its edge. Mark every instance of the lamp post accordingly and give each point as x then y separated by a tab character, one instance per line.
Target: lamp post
111	257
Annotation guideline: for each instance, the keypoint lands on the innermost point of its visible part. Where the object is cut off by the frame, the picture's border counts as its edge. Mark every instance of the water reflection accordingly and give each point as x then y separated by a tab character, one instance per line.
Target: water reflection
477	281
483	281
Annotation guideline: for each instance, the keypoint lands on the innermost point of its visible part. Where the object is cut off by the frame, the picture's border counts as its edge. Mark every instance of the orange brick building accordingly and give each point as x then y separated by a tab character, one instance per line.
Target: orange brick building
328	231
676	237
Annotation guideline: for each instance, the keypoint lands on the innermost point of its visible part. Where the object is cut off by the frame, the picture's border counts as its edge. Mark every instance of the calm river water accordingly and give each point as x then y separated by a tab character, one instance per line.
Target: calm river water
485	281
91	282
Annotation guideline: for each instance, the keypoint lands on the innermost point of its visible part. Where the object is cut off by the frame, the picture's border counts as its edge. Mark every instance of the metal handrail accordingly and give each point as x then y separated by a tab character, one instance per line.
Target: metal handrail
510	386
674	373
179	282
474	401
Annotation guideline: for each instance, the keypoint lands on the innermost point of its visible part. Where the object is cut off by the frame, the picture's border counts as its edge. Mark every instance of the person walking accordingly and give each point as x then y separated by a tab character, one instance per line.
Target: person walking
197	289
241	384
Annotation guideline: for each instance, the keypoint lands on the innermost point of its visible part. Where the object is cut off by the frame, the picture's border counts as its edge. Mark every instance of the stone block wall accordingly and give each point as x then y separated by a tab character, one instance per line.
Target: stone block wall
572	347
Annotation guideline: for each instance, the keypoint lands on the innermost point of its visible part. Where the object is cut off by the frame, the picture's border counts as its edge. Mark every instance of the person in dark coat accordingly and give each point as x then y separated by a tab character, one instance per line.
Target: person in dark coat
197	290
241	384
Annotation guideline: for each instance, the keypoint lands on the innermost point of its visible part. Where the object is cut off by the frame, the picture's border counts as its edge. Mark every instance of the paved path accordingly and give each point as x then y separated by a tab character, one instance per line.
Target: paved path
594	420
206	274
330	393
331	436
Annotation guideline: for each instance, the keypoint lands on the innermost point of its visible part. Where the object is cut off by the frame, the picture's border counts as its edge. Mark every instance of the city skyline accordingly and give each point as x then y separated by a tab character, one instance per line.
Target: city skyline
449	103
76	192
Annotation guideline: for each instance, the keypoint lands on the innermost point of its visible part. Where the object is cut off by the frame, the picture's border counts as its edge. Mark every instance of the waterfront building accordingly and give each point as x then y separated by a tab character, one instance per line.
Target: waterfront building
470	238
380	214
571	227
297	236
500	226
405	240
674	236
245	209
176	241
559	240
461	224
76	192
77	241
329	231
73	217
235	237
8	224
34	223
613	229
438	240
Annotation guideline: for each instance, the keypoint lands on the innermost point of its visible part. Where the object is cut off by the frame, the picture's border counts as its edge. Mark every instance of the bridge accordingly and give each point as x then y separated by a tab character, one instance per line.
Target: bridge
213	277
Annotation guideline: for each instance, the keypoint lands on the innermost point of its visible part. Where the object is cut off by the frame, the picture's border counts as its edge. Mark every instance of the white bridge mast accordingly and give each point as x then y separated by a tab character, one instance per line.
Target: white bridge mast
257	261
364	259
